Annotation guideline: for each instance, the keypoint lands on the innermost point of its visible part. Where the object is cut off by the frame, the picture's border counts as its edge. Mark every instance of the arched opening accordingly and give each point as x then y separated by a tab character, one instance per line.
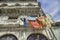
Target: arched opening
8	37
37	36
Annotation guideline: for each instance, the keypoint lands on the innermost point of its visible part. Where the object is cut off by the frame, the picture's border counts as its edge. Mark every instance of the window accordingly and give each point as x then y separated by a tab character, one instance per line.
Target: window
37	36
0	11
30	4
2	5
17	4
13	18
8	37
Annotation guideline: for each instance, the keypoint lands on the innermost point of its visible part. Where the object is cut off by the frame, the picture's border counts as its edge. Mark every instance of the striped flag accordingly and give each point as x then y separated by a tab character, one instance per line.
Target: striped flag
34	24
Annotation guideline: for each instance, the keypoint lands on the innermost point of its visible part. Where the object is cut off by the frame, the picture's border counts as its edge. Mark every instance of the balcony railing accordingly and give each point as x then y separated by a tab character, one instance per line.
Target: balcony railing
12	23
9	23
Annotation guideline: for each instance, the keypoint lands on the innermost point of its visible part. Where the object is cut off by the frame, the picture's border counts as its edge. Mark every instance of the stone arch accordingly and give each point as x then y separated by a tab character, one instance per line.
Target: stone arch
33	36
11	36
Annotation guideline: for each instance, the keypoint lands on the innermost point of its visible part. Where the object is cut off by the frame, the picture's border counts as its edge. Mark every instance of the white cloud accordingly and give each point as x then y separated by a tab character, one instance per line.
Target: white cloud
54	11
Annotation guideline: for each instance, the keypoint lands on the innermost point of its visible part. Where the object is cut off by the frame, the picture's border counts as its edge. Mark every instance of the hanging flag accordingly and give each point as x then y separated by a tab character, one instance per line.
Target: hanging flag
34	24
25	23
43	20
40	23
48	24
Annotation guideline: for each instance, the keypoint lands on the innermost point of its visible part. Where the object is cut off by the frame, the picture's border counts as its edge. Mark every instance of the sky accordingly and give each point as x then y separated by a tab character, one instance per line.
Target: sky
51	7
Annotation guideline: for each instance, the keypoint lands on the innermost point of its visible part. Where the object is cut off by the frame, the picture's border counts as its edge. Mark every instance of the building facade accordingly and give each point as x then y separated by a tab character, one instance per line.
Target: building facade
10	28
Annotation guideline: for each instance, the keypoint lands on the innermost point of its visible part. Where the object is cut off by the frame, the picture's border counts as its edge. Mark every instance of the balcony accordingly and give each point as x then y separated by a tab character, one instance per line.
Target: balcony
12	23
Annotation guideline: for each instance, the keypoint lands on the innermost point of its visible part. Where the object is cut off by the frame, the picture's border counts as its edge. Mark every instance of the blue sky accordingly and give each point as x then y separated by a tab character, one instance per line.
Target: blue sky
52	7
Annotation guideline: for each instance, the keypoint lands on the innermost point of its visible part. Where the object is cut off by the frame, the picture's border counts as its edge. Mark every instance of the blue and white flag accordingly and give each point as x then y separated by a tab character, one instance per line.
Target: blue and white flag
23	22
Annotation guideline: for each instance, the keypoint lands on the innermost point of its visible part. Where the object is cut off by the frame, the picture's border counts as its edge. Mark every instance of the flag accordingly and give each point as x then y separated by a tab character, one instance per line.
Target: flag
40	23
48	24
45	21
34	24
25	22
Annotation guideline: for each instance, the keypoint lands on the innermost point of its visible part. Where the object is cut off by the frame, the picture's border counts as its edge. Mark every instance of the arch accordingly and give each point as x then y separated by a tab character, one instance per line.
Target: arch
34	36
8	35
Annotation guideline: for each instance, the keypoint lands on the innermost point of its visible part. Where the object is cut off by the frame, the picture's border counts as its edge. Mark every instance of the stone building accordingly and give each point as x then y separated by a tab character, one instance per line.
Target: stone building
10	29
